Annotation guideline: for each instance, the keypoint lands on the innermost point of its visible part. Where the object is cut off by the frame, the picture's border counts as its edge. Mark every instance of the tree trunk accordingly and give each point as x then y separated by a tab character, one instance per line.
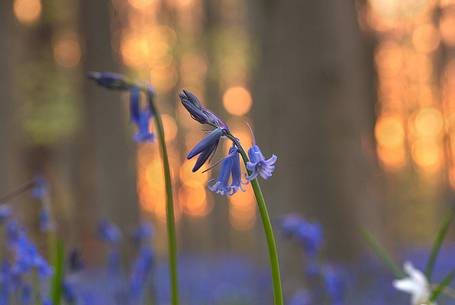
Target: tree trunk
314	106
106	173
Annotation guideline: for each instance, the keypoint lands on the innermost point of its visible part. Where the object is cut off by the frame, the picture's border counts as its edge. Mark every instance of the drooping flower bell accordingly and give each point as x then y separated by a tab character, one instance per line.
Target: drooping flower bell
205	148
140	117
199	112
230	171
259	165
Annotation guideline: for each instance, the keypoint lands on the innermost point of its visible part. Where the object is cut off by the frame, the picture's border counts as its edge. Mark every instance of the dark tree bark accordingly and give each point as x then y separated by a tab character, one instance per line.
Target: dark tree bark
106	172
10	125
313	108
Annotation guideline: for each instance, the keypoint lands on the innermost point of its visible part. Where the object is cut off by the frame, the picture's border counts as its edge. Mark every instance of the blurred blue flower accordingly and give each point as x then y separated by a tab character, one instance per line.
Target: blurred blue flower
26	294
334	284
75	262
141	272
110	80
40	189
199	112
5	213
205	148
109	233
309	234
258	165
142	233
45	223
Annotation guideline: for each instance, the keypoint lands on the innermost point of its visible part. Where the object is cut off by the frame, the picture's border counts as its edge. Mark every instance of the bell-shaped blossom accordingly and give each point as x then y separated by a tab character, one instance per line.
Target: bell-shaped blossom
259	165
416	284
206	148
230	171
140	117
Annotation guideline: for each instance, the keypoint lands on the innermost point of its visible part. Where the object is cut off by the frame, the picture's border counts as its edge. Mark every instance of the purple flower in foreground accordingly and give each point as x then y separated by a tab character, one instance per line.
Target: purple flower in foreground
259	165
110	80
230	168
205	148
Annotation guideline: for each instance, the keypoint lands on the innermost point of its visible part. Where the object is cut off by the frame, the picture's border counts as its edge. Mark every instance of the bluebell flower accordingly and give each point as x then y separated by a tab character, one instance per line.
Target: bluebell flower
110	80
40	189
46	301
309	234
334	284
142	233
230	168
140	117
75	262
259	165
199	112
109	233
206	148
45	223
5	213
68	293
141	272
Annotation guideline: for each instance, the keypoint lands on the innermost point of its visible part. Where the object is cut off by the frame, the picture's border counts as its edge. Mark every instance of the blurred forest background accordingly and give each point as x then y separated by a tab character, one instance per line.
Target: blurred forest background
356	98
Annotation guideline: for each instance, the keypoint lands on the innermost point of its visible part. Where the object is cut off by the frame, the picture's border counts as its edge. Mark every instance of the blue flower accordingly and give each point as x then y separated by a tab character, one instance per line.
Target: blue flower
206	148
334	284
5	213
140	117
258	165
199	112
45	223
143	233
109	233
309	234
230	167
40	189
110	80
141	271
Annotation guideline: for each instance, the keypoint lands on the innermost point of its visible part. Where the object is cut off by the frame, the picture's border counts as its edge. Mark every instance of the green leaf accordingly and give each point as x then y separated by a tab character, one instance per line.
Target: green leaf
382	254
57	279
437	244
440	288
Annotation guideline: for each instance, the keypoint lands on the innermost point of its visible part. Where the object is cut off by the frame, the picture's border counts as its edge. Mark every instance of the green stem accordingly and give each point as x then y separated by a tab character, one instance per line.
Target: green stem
268	230
170	221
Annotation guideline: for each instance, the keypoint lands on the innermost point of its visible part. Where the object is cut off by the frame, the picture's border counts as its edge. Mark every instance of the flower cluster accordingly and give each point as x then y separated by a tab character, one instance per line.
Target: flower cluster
140	116
230	179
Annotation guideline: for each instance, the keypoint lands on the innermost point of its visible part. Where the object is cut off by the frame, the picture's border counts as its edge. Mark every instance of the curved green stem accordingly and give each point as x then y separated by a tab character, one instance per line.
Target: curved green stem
170	220
268	230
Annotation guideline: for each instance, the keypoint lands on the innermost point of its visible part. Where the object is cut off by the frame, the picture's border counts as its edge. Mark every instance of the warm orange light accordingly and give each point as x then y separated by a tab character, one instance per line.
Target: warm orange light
242	210
141	4
194	201
237	100
191	179
426	38
392	158
170	127
452	177
27	11
67	52
427	154
164	78
447	28
428	122
389	131
389	59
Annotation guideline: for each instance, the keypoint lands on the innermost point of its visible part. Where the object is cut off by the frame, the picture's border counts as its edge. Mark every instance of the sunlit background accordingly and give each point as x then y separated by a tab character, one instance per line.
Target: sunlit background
213	51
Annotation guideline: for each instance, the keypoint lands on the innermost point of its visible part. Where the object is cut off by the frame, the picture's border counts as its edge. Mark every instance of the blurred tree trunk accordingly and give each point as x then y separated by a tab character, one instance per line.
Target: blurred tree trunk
106	173
315	110
10	125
